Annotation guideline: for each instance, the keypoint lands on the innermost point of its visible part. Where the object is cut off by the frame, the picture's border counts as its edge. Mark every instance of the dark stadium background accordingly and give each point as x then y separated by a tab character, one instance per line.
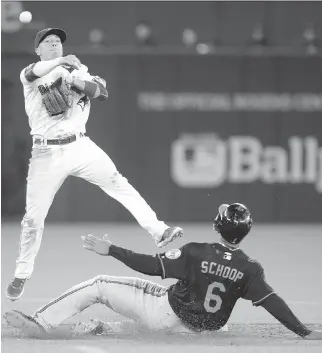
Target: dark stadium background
209	102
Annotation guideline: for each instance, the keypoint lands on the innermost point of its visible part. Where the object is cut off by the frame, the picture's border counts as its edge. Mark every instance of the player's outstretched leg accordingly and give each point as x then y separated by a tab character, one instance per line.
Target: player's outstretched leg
43	181
99	169
142	301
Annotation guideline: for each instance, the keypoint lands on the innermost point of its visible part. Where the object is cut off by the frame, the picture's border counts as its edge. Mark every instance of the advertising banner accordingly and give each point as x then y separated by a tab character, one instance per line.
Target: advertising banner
242	129
190	132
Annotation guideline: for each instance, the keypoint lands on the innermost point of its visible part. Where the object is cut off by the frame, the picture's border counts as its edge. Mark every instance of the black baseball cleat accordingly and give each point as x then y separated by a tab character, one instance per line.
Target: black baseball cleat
26	324
15	288
169	235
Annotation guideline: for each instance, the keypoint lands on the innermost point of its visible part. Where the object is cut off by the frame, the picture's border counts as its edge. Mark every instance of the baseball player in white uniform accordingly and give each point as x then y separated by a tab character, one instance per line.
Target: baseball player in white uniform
58	91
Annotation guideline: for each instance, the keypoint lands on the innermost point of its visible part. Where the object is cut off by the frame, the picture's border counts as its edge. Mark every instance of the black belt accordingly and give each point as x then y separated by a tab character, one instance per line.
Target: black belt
62	141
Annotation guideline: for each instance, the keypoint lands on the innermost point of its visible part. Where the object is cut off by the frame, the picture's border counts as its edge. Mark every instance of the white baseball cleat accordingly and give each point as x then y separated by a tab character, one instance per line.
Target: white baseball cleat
29	327
15	288
96	327
169	235
93	327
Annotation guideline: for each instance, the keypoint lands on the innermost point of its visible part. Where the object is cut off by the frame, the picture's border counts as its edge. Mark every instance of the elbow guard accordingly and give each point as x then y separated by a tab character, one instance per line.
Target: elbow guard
102	95
102	88
95	90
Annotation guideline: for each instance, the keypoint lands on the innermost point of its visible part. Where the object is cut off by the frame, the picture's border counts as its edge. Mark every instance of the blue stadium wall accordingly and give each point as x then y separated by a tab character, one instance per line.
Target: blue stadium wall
189	132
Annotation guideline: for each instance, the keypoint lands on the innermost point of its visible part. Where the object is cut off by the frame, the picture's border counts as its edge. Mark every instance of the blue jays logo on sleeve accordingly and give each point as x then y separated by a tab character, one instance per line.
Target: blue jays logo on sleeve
83	102
173	254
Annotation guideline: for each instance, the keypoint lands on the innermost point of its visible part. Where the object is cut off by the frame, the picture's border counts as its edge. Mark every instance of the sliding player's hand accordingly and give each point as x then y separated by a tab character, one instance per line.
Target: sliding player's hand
100	246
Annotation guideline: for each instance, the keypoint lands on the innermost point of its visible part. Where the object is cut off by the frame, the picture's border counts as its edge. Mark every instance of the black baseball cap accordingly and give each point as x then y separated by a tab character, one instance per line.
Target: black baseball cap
41	35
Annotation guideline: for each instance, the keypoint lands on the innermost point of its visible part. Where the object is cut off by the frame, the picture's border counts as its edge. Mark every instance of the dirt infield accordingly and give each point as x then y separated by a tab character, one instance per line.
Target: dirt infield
290	256
247	338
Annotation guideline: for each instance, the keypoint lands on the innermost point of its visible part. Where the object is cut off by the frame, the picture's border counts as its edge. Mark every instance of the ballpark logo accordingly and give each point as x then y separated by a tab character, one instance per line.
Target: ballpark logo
205	160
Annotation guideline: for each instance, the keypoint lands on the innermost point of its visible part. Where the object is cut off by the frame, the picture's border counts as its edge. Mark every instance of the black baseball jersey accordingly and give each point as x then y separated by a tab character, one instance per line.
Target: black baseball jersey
211	279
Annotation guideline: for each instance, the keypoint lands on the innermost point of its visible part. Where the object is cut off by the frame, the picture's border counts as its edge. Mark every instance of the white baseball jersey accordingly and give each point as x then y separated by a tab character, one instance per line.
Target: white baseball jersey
82	158
69	122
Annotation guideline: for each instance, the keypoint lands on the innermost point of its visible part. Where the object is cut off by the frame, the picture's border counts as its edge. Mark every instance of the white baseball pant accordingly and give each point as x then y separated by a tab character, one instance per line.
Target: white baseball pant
49	166
137	299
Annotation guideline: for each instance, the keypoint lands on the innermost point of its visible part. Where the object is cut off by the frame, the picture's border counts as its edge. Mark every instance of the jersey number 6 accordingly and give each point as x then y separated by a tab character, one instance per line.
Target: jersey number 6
212	298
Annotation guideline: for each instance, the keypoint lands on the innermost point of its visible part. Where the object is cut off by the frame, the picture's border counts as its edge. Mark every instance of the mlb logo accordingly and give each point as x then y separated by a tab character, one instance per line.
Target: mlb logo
227	256
199	160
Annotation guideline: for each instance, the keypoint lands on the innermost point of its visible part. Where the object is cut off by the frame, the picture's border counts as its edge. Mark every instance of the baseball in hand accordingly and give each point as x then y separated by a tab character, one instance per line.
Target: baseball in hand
25	17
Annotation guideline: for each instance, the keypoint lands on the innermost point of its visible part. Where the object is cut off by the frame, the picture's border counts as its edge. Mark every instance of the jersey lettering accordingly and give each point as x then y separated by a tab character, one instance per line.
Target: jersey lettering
212	298
209	287
220	270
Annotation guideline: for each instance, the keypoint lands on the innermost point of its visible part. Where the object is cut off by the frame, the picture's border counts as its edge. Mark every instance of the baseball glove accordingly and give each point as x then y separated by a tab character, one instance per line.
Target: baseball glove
58	97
